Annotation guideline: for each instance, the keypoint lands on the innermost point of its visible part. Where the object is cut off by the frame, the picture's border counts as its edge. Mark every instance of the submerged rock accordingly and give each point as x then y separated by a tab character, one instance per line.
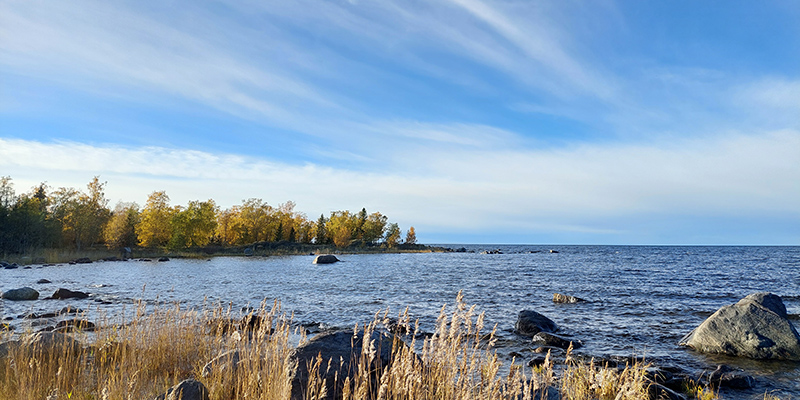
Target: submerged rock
325	259
755	327
551	340
565	299
530	322
725	376
21	294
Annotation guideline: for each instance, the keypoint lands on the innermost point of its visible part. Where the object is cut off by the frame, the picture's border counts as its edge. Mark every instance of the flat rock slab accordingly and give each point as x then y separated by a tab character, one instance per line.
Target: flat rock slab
755	327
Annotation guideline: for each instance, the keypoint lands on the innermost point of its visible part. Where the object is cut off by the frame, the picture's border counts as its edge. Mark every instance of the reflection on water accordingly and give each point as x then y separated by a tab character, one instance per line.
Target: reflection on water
642	299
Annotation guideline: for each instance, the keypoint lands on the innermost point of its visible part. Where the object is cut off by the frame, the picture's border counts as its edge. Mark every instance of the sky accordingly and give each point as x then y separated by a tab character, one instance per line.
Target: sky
475	121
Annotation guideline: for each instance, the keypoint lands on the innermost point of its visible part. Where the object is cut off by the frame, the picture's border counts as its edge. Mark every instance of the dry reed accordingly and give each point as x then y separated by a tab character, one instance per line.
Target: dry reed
158	347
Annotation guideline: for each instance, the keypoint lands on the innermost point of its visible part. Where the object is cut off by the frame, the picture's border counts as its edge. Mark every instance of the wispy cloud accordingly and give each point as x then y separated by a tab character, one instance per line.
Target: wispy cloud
112	49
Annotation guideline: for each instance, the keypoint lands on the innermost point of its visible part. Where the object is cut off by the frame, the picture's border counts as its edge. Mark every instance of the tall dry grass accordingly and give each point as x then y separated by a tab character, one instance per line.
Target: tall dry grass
158	347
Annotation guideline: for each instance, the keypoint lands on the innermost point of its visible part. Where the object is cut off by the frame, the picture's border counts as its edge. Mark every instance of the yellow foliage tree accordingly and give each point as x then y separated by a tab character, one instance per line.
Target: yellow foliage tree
392	235
411	236
194	225
155	225
82	215
120	230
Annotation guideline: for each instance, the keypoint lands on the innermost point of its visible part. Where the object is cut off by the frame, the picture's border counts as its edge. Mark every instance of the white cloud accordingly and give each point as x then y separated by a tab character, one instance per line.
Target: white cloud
465	190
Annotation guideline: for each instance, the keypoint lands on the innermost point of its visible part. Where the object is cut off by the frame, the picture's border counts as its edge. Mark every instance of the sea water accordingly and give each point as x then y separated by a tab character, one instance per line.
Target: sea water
641	299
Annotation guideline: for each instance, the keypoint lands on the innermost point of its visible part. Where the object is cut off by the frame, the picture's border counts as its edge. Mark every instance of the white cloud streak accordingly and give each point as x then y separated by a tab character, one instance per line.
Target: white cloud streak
524	190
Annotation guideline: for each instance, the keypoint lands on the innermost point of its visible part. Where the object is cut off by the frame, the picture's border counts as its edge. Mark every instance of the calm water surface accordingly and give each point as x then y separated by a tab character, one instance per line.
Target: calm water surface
643	300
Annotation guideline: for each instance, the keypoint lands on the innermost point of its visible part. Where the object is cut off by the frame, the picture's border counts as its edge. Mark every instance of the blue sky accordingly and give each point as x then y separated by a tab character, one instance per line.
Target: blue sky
475	121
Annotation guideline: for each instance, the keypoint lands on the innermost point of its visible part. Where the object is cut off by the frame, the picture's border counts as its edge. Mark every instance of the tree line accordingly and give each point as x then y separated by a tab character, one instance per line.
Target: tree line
46	217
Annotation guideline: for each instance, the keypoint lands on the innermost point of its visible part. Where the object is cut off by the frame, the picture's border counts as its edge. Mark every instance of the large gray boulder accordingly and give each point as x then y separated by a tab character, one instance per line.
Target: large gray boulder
325	259
530	323
755	327
342	350
25	293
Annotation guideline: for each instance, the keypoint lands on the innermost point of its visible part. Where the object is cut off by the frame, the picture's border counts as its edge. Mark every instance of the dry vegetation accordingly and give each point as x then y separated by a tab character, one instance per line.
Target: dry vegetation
159	347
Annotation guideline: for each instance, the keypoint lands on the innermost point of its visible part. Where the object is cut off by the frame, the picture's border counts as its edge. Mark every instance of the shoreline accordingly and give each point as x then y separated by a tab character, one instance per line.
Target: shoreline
261	249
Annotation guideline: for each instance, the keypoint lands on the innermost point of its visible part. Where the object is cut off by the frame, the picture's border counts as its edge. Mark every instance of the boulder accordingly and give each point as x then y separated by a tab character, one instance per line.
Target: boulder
82	260
551	340
20	294
342	351
725	376
564	299
69	310
43	281
45	343
656	391
68	294
189	389
70	325
325	259
755	327
537	361
163	259
530	322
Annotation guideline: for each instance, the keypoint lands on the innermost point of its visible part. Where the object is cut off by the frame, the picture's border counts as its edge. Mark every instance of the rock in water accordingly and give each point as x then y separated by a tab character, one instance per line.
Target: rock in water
325	259
24	293
551	340
69	294
530	322
342	350
755	327
565	299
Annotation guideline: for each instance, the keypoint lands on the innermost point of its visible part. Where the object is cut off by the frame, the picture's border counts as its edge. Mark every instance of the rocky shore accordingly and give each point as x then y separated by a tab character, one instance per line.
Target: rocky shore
756	327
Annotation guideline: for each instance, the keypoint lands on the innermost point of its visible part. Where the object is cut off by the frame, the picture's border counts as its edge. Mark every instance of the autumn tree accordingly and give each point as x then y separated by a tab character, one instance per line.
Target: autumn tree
120	231
411	236
225	226
194	225
341	227
392	238
82	215
155	225
374	227
254	222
